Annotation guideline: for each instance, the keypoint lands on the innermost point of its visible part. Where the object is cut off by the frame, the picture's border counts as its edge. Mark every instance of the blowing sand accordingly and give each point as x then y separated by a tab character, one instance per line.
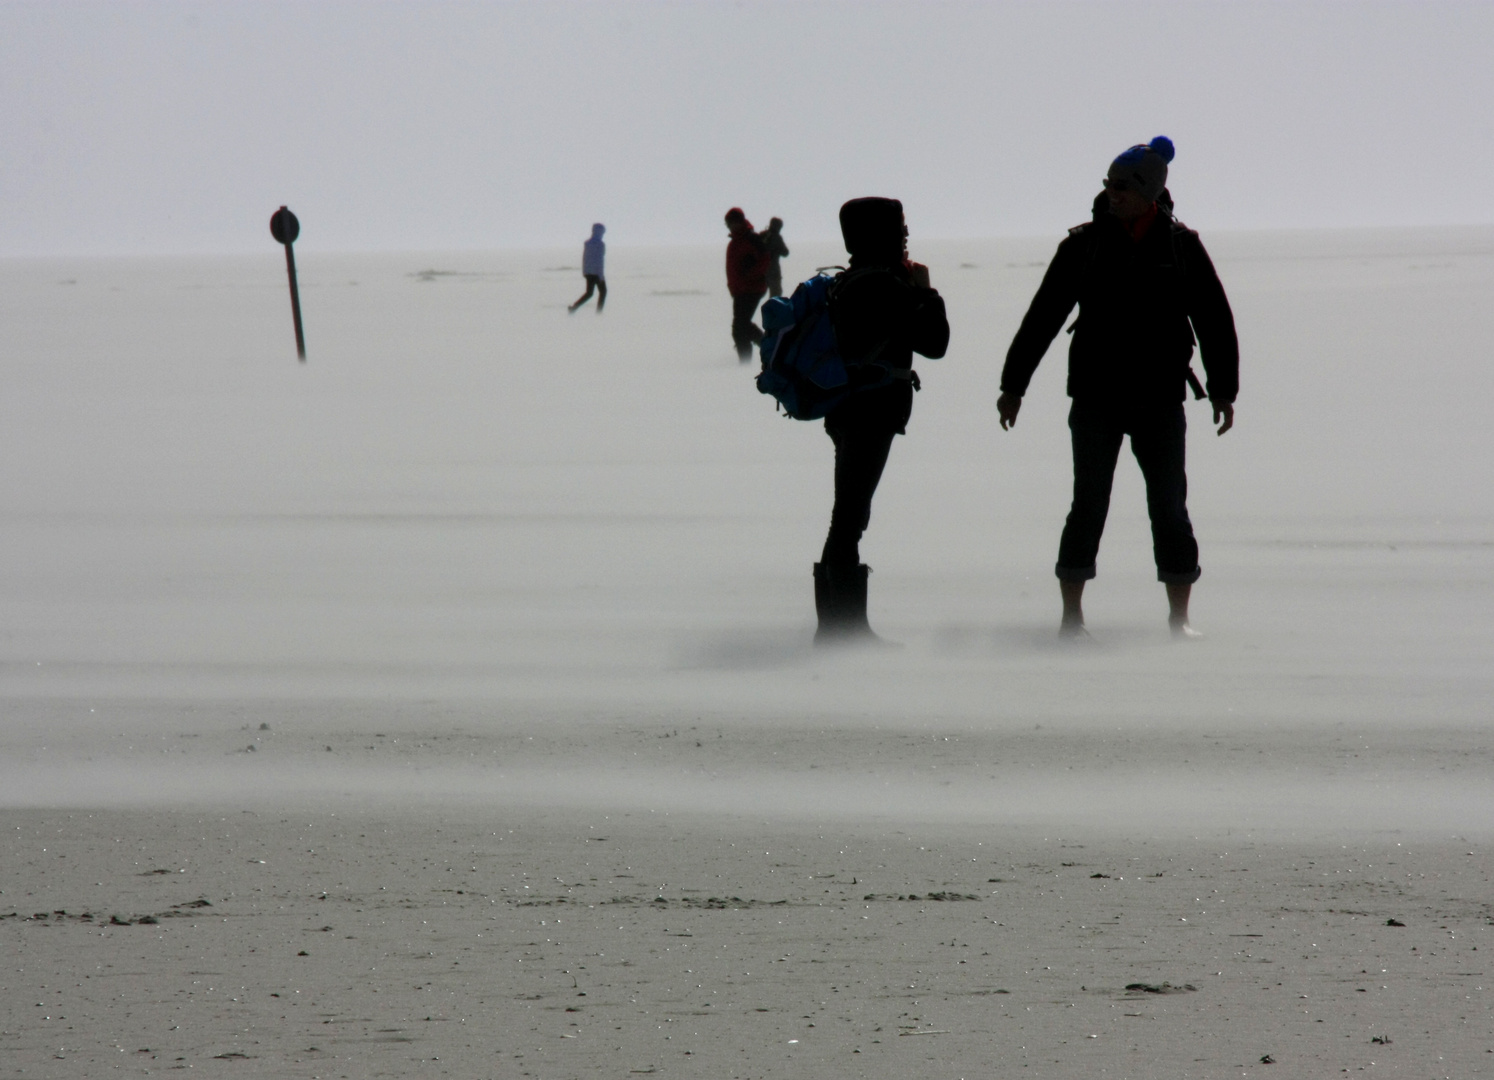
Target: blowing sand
445	705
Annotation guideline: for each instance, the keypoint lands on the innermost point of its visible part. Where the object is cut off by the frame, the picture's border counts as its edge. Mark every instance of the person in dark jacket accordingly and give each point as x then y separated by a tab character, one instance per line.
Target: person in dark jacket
593	255
1146	291
883	311
773	244
746	280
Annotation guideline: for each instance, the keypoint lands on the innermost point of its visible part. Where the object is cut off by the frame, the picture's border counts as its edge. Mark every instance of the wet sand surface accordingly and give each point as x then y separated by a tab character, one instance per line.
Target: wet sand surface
555	943
374	889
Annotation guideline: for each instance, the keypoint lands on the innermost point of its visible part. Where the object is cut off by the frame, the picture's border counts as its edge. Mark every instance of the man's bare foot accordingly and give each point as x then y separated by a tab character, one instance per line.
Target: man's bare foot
1181	631
1072	624
1073	630
1177	613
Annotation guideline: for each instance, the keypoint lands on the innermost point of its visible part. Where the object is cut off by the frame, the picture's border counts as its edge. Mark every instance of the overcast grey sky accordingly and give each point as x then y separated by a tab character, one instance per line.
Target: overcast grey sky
179	127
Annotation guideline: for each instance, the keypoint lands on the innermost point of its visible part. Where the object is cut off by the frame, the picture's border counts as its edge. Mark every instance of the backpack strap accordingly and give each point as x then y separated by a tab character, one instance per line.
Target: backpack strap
888	373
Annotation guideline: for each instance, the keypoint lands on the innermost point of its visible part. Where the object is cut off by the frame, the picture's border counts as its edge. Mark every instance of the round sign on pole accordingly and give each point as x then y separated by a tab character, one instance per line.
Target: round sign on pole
284	227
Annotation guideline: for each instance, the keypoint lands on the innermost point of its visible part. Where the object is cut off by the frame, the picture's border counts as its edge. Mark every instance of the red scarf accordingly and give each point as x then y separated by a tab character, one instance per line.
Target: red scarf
1138	228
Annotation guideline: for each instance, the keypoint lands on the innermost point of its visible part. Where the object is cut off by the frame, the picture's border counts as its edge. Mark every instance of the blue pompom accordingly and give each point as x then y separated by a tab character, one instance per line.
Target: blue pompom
1162	147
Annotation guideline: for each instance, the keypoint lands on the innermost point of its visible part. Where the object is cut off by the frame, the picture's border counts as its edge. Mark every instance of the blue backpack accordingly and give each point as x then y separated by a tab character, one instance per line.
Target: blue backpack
802	365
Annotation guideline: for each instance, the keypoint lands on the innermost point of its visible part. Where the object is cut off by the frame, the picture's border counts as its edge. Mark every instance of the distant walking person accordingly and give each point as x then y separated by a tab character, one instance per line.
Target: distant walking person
775	247
882	310
593	254
1146	291
746	280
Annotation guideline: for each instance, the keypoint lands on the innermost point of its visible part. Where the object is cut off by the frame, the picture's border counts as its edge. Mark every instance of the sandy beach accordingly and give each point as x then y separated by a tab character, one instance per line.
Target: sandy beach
446	705
530	942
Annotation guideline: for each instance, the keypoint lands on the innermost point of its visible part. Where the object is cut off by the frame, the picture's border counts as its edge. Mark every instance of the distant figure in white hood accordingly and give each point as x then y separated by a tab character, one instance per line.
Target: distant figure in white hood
593	252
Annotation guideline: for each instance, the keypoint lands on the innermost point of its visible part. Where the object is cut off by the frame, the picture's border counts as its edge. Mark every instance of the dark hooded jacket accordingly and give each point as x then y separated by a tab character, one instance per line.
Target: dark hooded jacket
746	261
775	249
880	316
594	252
1141	304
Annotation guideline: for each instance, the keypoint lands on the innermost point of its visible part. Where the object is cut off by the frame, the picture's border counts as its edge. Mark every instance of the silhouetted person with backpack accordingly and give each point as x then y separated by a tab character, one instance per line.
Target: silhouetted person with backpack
883	311
593	254
773	244
746	280
1146	290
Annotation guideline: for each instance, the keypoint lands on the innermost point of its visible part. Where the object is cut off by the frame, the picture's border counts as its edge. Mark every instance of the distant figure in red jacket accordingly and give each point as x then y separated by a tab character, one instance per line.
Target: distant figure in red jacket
746	280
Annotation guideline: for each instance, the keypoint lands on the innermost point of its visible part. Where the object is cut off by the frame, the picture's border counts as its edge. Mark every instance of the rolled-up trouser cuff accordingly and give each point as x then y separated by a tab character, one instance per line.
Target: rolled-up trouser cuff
1074	573
1173	577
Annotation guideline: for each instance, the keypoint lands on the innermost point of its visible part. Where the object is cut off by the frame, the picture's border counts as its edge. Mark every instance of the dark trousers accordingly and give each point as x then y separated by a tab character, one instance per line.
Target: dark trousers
744	332
860	456
594	283
1158	439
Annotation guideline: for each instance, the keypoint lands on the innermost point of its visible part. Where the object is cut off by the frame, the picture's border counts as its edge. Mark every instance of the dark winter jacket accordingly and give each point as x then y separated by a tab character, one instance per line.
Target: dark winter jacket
881	317
746	262
594	252
1141	303
776	249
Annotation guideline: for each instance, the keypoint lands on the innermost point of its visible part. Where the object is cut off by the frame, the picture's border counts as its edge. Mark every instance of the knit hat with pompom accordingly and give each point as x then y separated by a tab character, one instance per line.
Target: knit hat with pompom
1143	168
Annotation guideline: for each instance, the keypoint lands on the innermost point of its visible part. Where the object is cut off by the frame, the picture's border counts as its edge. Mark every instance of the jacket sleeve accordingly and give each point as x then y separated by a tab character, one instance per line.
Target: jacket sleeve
1213	322
1055	298
929	325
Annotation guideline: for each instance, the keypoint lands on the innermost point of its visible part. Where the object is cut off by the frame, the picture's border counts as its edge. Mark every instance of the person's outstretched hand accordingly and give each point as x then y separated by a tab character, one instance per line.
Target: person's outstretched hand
920	275
1008	405
1224	411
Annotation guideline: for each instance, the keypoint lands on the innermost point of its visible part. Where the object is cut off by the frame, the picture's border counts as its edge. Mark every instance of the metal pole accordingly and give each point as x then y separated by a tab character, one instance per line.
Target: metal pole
290	271
285	228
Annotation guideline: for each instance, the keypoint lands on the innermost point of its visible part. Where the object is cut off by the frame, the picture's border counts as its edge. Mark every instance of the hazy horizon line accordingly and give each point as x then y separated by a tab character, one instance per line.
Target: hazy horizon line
614	246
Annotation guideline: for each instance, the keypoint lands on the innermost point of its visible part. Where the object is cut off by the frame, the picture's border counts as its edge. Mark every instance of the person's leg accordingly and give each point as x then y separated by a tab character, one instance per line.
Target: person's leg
744	332
1177	611
860	457
840	577
601	294
1071	623
1096	440
1160	446
591	284
741	318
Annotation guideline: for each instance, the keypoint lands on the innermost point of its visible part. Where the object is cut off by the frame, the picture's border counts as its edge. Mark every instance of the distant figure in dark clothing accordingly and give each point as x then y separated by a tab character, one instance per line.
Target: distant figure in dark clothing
883	311
775	247
1146	291
746	280
593	253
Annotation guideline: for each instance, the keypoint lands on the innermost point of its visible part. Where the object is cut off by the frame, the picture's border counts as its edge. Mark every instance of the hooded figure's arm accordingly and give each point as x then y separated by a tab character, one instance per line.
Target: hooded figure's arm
929	325
1055	298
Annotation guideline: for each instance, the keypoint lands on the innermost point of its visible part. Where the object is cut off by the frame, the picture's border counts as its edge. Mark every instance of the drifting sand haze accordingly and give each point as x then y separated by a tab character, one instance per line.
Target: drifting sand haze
482	640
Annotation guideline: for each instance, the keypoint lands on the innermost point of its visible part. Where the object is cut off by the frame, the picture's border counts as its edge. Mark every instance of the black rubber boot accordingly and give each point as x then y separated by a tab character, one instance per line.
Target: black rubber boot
840	603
